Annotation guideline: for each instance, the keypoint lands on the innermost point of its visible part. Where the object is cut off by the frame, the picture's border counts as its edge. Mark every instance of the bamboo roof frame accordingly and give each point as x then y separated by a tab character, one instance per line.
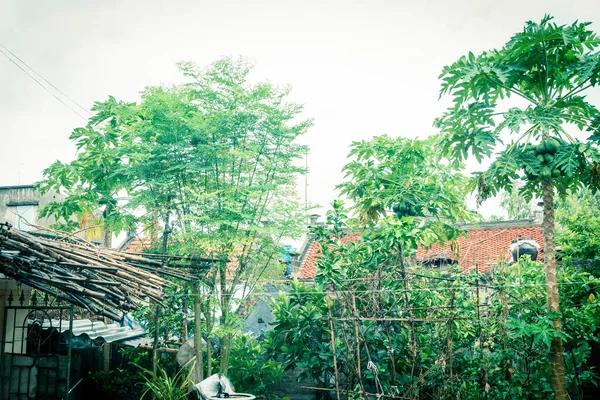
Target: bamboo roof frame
106	282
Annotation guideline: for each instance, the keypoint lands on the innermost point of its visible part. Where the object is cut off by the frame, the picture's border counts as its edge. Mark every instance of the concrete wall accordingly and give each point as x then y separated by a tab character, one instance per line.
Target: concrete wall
27	201
289	387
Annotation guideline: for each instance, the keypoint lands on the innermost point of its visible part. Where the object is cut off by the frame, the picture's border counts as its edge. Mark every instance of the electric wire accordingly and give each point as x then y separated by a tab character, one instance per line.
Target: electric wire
41	84
46	80
415	289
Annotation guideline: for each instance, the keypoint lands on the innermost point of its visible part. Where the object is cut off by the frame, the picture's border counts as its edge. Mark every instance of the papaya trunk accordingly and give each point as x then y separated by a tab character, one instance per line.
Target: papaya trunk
107	238
557	347
107	233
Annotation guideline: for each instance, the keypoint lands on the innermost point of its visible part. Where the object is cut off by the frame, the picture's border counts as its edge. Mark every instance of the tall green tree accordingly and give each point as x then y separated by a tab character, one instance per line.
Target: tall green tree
526	102
213	161
240	198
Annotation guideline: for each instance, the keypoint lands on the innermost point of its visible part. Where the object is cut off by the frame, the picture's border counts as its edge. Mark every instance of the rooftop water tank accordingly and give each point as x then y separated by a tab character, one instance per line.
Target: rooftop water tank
521	247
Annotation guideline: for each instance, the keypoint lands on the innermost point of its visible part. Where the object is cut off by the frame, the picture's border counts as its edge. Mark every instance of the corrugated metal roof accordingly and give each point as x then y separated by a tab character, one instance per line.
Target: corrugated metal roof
98	330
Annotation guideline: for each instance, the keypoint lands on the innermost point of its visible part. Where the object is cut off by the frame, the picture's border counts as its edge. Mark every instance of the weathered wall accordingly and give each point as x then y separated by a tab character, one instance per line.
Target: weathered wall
288	386
26	197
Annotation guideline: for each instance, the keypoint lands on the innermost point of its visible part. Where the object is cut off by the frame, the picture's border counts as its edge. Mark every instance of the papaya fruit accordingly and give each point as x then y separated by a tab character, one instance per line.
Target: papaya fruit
540	148
556	173
548	158
551	145
546	173
541	158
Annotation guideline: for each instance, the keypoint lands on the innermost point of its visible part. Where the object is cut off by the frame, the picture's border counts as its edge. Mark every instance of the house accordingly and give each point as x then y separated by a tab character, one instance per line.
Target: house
483	246
20	206
40	336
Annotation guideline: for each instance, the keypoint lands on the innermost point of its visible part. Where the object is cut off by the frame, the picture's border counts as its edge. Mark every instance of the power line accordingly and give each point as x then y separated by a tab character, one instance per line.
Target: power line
46	80
396	290
41	84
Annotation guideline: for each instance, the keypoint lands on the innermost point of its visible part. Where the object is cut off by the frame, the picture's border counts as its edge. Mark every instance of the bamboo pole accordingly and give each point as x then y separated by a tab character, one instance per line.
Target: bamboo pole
356	331
335	368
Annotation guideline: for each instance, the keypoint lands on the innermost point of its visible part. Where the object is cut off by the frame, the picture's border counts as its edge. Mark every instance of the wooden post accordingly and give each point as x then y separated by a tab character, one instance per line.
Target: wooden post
337	383
199	374
106	356
155	343
106	350
184	319
207	316
450	334
356	331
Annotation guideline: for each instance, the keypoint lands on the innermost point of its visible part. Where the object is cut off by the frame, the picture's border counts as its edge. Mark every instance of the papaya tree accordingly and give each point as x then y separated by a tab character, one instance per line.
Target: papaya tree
408	178
93	181
525	104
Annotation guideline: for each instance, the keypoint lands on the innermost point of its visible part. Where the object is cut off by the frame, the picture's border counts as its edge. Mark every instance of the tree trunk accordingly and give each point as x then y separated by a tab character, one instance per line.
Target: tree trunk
107	238
225	342
155	343
154	227
107	233
226	339
208	343
556	348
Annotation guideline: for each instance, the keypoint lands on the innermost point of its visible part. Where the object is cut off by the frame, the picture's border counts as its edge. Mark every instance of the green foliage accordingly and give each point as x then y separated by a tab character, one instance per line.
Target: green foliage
548	67
578	217
500	348
94	179
251	369
117	382
405	176
515	204
300	325
161	386
170	316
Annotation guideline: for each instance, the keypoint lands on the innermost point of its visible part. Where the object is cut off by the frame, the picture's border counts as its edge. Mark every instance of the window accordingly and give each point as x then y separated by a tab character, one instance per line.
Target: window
24	216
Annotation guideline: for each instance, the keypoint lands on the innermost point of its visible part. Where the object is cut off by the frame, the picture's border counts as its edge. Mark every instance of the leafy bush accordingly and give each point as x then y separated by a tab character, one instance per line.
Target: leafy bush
161	386
498	327
251	370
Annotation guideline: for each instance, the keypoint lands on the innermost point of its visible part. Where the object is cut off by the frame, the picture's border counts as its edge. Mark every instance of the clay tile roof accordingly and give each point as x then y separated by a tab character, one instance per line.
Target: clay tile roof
138	244
482	247
308	267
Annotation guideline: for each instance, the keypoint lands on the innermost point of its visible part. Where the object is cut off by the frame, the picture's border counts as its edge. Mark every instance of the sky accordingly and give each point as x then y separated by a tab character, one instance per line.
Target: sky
361	68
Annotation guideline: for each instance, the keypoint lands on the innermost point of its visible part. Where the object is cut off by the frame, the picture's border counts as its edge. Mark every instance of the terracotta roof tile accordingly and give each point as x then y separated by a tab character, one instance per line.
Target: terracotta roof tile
481	248
138	244
308	268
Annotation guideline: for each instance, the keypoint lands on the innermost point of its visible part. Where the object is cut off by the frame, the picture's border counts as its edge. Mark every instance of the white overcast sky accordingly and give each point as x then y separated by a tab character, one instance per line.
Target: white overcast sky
361	68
